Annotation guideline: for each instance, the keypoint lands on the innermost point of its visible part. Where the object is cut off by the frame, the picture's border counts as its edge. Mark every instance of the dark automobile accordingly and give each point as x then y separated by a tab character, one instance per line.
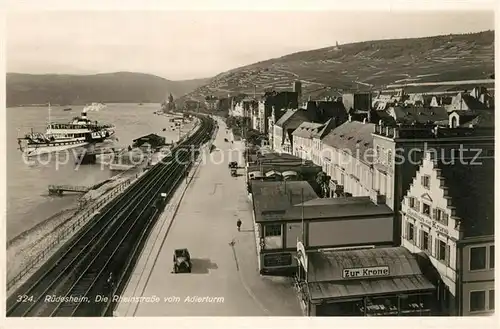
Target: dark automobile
234	173
225	140
233	164
182	261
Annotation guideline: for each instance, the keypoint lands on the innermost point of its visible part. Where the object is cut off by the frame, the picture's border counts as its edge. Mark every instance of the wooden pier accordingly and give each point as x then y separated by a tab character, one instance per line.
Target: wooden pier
60	189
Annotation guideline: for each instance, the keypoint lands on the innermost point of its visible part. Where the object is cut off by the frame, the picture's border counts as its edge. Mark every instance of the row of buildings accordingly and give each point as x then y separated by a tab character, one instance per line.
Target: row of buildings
401	221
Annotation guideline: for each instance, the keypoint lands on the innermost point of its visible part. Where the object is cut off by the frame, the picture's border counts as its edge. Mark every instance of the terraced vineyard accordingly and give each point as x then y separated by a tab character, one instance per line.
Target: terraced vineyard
364	65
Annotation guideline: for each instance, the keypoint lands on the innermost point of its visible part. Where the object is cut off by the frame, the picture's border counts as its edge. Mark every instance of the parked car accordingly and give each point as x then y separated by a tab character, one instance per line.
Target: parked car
182	261
233	172
233	164
225	140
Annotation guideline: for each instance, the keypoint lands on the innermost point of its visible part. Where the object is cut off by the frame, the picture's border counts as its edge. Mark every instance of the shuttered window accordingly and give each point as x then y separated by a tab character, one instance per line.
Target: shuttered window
425	241
411	233
426	181
442	251
440	215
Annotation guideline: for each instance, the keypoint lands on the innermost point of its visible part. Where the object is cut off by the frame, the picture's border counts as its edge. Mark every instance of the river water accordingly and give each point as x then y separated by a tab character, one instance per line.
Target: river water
28	202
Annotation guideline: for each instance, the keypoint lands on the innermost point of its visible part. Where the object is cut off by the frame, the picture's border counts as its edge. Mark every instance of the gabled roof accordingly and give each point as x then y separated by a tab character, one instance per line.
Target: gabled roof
325	128
354	136
292	113
472	103
478	118
472	191
308	129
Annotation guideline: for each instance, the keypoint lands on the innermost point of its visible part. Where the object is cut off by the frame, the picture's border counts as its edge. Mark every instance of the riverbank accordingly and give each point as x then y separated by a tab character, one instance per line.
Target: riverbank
28	250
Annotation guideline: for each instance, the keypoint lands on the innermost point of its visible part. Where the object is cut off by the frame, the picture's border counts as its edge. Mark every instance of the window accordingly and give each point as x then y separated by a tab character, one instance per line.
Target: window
414	203
492	256
442	251
477	258
491	301
477	301
410	232
426	209
440	216
425	241
426	181
389	157
273	230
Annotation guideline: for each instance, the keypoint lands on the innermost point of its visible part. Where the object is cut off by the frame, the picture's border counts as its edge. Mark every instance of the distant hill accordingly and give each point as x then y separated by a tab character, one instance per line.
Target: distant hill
120	87
363	66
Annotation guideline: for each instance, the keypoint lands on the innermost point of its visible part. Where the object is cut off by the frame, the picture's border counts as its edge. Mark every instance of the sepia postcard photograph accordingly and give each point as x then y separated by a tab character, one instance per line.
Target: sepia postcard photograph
236	161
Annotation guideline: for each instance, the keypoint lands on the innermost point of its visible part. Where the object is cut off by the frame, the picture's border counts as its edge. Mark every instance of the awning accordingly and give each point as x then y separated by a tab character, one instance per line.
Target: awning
273	173
359	288
289	173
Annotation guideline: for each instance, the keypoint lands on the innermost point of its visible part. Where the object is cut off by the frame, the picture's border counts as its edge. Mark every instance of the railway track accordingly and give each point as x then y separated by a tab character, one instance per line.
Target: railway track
74	282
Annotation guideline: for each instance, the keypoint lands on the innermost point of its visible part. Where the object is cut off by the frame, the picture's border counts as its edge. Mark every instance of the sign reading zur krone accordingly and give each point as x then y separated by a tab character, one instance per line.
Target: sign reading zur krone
363	272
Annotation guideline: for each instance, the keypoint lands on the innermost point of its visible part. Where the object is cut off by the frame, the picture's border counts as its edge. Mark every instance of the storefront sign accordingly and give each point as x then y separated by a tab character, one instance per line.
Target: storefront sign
363	272
277	260
427	221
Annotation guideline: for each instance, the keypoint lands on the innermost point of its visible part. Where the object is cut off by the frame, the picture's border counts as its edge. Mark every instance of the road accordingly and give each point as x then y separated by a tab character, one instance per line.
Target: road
224	272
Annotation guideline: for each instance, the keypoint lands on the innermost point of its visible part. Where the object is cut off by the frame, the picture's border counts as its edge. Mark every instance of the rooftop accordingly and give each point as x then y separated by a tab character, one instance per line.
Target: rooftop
472	191
291	113
278	196
322	208
430	131
478	118
418	114
276	157
354	136
326	277
308	129
328	265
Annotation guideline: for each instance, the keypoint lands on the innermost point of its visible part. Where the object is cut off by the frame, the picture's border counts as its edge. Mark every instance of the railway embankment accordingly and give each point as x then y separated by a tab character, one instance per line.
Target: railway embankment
28	251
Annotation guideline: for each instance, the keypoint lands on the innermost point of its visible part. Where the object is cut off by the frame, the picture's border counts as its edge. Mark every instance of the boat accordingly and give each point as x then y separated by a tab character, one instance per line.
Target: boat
67	109
79	132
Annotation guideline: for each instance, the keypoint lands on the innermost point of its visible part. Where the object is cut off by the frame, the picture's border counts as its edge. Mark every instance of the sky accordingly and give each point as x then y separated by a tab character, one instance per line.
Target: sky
179	45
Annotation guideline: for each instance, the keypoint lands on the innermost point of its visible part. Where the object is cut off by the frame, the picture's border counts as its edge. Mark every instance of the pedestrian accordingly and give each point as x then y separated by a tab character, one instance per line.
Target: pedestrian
238	224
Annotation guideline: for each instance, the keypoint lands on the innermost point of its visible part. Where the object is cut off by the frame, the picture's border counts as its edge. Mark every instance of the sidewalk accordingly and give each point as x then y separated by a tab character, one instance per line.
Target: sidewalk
277	293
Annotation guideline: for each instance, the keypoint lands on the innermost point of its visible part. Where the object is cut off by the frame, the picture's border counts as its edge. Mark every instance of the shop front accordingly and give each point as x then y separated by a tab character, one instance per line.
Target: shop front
364	282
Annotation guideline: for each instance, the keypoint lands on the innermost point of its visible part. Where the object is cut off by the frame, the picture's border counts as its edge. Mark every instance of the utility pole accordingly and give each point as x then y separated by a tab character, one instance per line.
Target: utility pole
303	222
